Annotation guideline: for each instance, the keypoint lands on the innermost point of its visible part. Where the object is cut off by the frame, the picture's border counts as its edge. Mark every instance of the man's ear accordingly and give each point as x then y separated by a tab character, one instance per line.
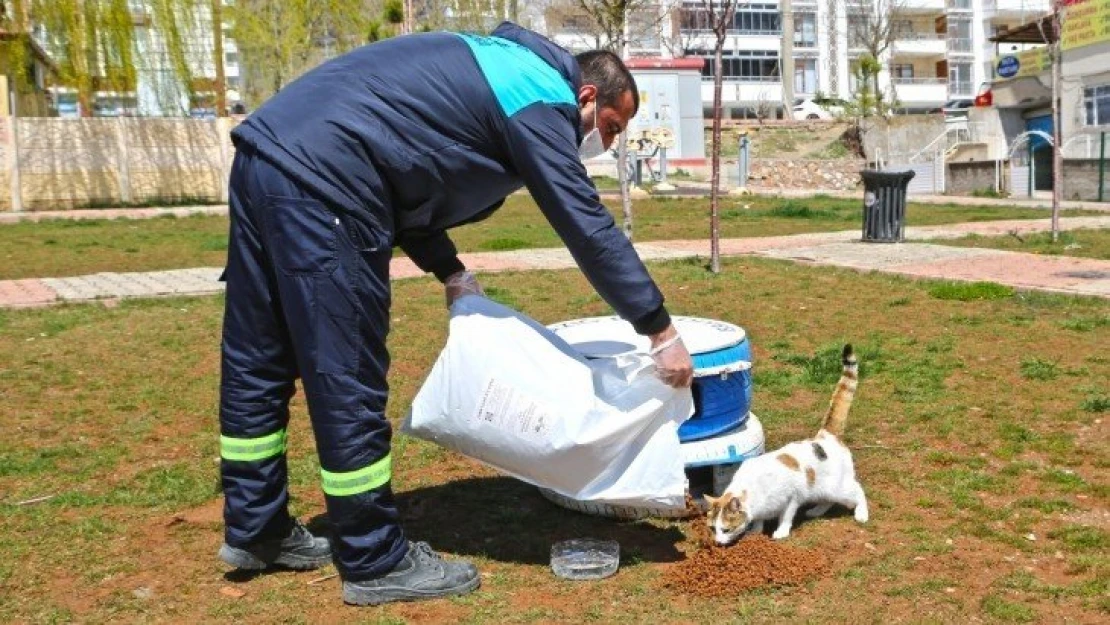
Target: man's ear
586	94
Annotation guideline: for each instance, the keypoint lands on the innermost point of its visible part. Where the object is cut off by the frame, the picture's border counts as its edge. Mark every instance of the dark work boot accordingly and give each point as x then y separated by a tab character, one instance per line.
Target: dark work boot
299	550
421	574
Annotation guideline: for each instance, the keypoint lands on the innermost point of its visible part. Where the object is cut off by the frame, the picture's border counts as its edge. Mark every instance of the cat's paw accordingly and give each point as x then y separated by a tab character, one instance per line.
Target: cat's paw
781	533
861	514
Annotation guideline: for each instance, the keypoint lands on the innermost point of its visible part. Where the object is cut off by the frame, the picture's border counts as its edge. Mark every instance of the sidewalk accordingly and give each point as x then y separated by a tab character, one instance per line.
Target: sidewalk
1077	276
686	188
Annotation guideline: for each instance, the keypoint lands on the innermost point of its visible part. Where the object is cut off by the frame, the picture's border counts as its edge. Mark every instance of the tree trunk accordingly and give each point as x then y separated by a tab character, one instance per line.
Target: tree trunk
1057	133
715	178
787	65
625	183
218	52
85	102
622	148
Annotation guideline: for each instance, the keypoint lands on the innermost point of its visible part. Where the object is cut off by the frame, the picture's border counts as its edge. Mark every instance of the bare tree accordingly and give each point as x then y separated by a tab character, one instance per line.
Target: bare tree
613	21
720	14
608	24
1056	50
764	107
872	27
834	46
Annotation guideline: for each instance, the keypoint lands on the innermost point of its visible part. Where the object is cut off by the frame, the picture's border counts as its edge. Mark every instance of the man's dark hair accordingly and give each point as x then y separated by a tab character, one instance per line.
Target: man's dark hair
607	72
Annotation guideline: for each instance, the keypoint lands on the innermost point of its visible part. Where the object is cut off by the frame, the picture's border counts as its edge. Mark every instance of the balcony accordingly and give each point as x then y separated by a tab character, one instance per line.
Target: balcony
1019	11
960	46
928	7
920	44
961	89
748	92
921	92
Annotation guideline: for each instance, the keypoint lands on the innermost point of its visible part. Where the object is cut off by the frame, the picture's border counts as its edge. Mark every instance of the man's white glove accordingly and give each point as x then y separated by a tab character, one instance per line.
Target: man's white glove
461	283
673	364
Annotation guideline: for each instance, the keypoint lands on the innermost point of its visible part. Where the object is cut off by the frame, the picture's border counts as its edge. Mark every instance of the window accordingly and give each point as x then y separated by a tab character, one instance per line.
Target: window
959	35
805	30
755	19
858	27
805	75
578	24
695	17
901	72
1096	103
231	58
959	79
902	29
750	19
743	65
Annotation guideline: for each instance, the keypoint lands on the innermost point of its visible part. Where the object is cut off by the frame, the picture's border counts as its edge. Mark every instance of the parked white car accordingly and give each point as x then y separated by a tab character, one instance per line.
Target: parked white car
809	108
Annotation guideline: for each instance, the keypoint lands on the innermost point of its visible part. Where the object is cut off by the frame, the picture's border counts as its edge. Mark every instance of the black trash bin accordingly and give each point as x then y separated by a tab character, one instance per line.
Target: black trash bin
884	205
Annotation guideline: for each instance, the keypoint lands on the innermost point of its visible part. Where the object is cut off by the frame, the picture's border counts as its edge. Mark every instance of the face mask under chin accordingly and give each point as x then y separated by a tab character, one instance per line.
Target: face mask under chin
592	146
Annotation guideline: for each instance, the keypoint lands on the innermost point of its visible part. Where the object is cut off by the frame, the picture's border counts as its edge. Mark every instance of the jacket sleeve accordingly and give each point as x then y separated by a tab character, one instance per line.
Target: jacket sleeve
434	253
541	144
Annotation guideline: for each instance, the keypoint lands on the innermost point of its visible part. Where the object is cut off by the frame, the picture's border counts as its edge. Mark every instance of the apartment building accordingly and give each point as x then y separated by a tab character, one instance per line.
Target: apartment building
940	50
158	90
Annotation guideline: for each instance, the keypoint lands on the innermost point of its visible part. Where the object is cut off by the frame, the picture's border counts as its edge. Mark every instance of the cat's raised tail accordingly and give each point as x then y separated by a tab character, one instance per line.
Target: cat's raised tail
843	395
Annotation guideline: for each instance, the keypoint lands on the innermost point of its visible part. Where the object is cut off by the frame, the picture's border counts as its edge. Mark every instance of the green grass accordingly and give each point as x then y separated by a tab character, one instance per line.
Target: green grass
1096	403
1008	611
1088	243
1082	538
58	248
114	412
1037	369
75	247
834	150
970	291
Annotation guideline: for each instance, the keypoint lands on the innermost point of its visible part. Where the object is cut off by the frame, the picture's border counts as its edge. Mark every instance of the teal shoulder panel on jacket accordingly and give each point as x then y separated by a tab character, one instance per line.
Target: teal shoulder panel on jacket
518	77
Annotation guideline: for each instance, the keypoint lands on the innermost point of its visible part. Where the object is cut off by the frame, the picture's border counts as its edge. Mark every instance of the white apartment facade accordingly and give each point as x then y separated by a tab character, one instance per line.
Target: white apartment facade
941	51
158	89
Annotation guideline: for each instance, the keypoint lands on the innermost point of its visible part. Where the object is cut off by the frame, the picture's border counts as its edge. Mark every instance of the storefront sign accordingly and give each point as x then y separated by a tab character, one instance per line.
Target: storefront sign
1086	22
1032	62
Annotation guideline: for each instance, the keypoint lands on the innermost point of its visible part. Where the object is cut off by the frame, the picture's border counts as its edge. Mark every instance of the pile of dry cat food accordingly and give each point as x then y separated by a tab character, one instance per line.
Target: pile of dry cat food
754	561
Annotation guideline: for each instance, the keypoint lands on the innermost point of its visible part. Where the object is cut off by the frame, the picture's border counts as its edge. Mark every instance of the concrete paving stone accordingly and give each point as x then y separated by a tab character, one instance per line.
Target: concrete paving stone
137	284
544	258
113	213
187	281
25	294
862	255
74	288
1000	228
652	251
733	247
843	248
1062	274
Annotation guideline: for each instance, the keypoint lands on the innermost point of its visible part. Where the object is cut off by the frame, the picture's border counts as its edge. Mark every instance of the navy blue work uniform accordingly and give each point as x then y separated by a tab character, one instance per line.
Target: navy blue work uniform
391	144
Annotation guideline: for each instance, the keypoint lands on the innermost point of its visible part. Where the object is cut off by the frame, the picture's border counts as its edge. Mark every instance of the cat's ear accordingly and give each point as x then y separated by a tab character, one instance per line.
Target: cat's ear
712	501
734	504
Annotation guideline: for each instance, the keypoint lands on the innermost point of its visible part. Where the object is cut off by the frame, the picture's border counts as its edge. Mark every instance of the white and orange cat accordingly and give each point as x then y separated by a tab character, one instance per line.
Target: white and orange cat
817	472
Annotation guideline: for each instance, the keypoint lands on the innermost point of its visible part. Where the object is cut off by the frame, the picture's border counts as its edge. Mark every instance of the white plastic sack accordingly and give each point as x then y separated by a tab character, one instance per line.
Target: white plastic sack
510	393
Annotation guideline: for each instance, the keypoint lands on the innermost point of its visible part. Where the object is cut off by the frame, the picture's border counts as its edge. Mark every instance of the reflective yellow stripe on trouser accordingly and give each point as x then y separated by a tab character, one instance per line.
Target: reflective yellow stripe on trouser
359	480
251	449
